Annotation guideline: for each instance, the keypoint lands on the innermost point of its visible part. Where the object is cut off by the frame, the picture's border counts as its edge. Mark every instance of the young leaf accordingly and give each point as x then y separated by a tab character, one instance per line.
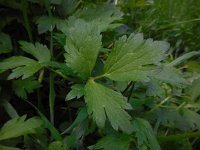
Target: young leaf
77	90
39	51
19	127
145	135
102	15
83	42
22	87
132	58
102	102
113	142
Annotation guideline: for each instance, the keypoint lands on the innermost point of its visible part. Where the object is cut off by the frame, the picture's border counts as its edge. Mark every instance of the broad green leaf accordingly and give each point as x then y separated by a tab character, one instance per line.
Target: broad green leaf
39	51
77	91
19	127
194	89
5	43
145	135
113	142
105	103
22	87
21	66
102	15
8	148
56	145
133	58
83	42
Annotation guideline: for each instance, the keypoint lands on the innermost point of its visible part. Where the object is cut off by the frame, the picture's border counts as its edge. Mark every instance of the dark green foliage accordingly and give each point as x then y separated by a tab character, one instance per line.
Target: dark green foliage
99	75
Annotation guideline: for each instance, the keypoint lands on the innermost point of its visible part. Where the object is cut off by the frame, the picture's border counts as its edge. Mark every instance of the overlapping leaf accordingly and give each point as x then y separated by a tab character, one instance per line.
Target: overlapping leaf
83	41
105	103
102	15
133	58
145	135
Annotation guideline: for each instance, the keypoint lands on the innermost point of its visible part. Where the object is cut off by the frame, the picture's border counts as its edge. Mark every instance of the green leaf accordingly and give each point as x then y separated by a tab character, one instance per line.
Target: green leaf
169	75
83	42
59	67
102	15
102	102
47	23
22	87
113	142
145	135
24	66
8	148
5	43
39	51
133	58
56	145
77	91
19	127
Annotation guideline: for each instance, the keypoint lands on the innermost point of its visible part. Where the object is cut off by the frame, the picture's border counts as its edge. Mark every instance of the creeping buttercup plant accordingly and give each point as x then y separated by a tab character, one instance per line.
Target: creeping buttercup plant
86	80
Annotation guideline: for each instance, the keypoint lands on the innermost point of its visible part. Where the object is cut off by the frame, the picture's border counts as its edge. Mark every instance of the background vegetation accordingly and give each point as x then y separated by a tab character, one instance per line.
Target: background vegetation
78	74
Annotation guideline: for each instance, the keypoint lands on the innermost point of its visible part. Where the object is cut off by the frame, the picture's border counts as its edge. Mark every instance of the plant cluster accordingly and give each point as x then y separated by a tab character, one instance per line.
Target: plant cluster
99	75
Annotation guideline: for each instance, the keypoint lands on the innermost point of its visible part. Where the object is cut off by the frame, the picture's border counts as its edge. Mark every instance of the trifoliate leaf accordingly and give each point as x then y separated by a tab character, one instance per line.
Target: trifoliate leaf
77	91
39	51
21	66
19	127
22	87
145	135
83	42
113	142
105	103
102	15
132	58
5	43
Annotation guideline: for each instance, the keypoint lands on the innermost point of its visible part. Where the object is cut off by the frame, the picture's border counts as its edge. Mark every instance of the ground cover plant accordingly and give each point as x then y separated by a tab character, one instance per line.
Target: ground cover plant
99	75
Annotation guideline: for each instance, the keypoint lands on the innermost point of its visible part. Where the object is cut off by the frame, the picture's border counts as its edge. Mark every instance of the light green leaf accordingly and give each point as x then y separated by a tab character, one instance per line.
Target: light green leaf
8	148
102	102
133	58
113	142
22	87
56	145
5	43
21	66
77	91
15	61
102	15
145	135
39	51
19	127
83	42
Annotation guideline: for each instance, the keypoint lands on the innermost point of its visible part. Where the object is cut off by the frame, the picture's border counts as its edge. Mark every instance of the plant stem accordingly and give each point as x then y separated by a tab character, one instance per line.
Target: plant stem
24	7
